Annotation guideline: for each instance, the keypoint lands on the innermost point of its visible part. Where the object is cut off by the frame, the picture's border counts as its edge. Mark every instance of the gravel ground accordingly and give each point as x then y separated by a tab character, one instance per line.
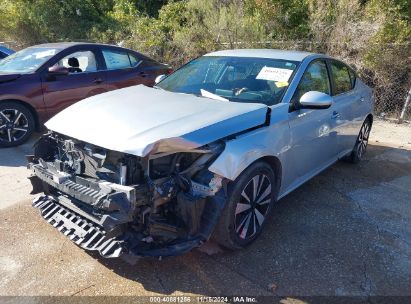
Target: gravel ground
347	232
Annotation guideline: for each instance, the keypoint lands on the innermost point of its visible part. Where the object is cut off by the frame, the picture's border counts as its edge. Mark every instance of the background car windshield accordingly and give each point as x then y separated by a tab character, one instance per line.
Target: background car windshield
239	79
27	60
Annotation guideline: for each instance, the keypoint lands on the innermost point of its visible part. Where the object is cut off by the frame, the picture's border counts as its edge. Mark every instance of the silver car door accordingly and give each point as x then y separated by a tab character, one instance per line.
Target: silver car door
346	100
313	141
362	105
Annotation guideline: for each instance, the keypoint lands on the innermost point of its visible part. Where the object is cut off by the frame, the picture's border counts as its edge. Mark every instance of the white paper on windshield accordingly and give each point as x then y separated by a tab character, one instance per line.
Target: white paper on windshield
274	74
47	53
212	96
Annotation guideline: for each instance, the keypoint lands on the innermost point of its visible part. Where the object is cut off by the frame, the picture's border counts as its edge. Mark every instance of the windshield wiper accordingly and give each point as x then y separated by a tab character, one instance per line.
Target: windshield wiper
208	94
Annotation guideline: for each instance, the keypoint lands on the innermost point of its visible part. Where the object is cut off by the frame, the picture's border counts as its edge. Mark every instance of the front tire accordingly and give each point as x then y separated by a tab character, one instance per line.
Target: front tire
361	144
249	203
16	124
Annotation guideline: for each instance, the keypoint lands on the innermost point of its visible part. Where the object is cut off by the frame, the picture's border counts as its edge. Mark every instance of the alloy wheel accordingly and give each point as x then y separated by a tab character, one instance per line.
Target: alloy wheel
363	139
14	125
253	205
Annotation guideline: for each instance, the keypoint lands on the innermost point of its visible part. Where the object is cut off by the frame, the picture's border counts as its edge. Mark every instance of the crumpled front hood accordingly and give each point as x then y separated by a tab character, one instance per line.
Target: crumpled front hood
139	120
8	77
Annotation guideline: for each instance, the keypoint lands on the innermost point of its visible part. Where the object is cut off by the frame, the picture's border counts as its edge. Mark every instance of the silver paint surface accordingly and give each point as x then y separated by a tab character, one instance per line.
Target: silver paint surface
140	120
263	53
305	141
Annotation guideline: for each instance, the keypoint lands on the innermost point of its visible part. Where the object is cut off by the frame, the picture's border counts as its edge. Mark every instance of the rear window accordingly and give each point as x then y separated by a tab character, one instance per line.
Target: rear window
119	60
342	78
133	60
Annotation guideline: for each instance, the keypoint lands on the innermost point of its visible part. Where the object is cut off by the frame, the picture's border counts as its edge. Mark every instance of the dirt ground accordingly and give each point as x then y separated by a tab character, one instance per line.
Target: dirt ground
347	232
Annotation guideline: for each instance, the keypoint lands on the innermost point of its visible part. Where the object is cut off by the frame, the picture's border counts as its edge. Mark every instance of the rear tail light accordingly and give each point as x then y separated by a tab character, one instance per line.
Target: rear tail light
169	71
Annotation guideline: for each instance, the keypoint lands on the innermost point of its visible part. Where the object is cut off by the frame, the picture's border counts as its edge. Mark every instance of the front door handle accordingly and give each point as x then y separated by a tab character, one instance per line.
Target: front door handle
335	115
98	80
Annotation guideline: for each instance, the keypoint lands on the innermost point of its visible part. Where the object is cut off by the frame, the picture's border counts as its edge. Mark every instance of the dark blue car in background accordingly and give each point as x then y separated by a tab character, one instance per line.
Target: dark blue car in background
4	52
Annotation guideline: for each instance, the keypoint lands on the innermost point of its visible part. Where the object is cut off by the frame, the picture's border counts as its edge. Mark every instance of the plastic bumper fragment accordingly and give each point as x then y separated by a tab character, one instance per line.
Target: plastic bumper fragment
84	233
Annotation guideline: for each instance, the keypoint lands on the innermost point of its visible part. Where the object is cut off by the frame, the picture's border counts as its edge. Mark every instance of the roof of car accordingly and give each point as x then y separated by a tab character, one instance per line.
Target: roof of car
63	45
263	53
60	46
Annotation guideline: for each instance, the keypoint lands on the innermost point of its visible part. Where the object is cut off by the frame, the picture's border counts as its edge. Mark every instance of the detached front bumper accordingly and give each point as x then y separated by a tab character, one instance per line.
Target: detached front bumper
81	231
71	207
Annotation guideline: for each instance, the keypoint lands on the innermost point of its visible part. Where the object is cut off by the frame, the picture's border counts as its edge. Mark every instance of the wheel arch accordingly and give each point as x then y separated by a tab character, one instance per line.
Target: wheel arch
236	167
275	164
29	107
225	232
370	117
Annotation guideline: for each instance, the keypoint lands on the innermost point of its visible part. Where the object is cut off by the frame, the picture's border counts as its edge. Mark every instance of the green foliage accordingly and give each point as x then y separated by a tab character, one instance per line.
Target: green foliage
187	29
282	19
154	36
34	21
149	8
372	35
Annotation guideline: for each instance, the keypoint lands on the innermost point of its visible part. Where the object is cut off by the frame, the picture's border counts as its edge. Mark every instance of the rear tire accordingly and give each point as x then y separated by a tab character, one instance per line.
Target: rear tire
16	124
249	203
361	144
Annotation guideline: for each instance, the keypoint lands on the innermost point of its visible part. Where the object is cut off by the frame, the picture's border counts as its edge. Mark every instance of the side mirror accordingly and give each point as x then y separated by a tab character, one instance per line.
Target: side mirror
58	71
159	78
315	100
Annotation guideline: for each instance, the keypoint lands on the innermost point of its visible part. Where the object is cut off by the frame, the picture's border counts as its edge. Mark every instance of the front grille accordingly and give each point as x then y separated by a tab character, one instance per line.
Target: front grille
80	192
94	194
82	232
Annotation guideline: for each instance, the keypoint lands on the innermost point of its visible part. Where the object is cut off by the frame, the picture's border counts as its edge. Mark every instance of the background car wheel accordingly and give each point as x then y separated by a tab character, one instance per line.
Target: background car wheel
361	143
249	203
16	124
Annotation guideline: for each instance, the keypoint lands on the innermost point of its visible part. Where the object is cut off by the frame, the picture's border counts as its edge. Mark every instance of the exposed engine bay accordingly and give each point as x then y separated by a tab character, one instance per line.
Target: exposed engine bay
124	205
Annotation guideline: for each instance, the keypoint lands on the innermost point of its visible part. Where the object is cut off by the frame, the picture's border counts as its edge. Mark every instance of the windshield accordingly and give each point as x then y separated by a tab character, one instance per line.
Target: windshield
27	60
239	79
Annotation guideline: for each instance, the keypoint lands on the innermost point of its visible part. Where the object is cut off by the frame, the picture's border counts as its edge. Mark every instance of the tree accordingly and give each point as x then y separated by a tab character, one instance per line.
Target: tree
36	21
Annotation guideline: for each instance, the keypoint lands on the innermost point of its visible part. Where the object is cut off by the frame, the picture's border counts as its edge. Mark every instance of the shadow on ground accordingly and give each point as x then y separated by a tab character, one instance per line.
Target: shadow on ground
15	156
345	232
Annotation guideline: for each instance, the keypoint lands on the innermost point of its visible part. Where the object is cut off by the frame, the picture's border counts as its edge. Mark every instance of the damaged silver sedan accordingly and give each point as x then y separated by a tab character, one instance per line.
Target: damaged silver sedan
205	153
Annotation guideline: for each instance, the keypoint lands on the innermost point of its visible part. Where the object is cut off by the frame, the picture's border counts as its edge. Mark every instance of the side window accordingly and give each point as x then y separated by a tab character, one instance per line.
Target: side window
116	60
315	78
341	76
134	61
79	62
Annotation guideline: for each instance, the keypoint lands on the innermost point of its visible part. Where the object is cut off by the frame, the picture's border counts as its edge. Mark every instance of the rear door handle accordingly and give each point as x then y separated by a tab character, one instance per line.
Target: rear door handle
98	80
362	99
335	115
143	74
